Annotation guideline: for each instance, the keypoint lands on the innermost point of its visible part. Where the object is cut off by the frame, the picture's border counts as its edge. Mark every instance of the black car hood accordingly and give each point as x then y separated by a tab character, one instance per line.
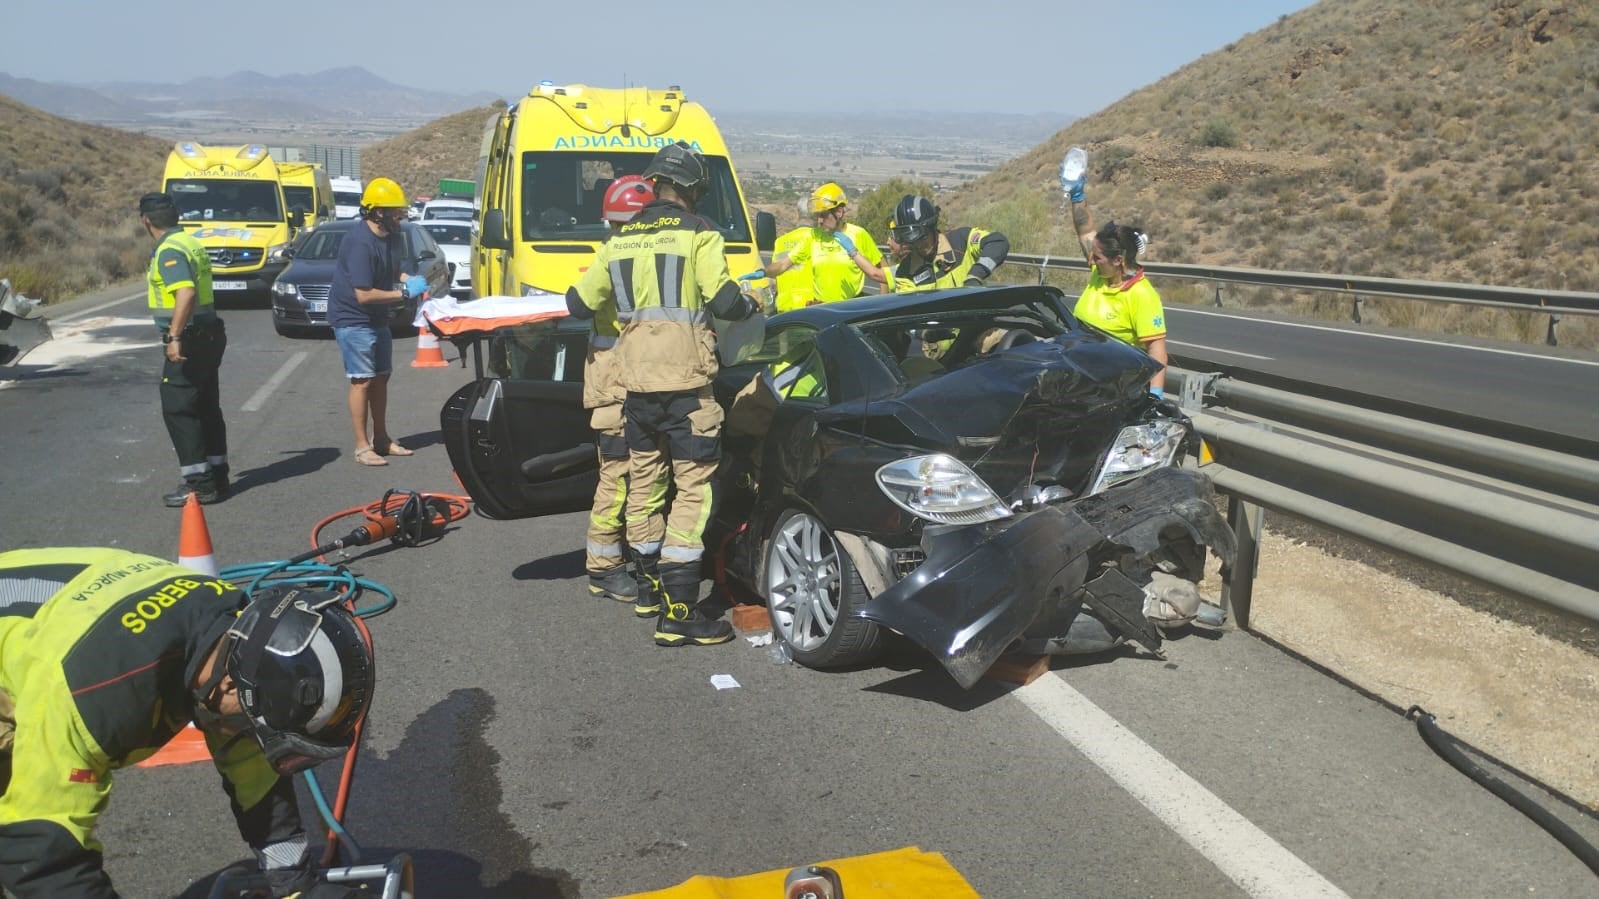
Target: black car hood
309	271
1040	412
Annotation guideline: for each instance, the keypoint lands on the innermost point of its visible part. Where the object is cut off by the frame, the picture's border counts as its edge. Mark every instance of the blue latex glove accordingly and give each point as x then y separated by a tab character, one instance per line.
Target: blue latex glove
416	287
753	276
845	242
1158	393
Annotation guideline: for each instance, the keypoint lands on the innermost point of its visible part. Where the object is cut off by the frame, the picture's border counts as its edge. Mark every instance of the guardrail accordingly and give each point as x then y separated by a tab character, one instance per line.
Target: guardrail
1553	302
1520	518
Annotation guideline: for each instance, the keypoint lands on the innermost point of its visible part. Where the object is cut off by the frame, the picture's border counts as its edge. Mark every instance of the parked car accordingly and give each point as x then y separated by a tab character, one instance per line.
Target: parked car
974	469
455	239
300	293
451	210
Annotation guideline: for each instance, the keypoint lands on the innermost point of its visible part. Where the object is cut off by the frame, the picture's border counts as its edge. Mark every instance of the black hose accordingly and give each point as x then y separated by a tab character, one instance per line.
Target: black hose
1448	747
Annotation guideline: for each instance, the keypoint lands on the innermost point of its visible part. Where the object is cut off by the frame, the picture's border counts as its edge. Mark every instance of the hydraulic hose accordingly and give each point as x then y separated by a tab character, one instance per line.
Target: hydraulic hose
1448	747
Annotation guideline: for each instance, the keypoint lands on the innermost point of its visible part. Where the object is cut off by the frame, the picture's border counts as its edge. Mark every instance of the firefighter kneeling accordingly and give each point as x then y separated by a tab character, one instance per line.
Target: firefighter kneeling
664	274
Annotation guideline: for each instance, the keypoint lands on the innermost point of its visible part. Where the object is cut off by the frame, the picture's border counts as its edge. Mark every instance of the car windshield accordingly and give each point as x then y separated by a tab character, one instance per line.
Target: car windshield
448	213
562	193
454	235
931	343
343	198
321	244
226	200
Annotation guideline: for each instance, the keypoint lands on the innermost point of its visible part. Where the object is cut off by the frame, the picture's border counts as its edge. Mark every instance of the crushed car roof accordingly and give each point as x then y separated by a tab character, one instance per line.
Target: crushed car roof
890	305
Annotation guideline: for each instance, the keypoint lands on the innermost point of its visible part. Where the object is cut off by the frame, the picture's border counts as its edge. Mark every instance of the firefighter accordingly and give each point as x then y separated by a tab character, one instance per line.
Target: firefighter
840	256
106	654
193	341
664	274
933	259
608	573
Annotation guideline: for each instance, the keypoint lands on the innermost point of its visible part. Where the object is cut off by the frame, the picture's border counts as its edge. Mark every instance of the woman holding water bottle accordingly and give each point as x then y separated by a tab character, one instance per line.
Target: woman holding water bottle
1118	300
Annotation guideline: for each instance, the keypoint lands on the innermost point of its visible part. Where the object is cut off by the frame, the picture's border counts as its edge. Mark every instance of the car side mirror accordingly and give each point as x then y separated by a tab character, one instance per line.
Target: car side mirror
494	236
425	255
297	219
765	231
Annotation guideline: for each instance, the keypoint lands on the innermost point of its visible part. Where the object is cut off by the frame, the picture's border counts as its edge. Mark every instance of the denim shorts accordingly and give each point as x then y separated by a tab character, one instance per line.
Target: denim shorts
368	352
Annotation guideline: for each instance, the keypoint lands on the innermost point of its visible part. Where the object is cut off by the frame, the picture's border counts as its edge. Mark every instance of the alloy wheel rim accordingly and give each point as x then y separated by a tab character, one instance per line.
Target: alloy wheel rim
803	583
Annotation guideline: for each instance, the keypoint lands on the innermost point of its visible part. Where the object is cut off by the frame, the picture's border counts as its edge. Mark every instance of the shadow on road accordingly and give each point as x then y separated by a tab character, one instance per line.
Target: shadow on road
299	462
565	566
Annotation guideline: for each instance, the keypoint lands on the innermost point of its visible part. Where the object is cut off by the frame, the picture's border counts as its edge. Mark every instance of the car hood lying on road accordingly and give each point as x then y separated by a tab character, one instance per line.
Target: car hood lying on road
1042	411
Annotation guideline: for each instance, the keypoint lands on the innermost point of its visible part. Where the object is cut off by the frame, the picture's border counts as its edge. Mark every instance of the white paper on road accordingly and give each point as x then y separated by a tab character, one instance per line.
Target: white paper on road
724	682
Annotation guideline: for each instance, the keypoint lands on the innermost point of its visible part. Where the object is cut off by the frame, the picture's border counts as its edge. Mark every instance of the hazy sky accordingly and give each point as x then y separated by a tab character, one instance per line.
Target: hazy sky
1062	56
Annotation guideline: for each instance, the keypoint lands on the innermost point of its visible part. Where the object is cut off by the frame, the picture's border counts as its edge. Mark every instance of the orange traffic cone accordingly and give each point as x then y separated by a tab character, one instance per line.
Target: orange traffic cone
428	353
185	748
194	539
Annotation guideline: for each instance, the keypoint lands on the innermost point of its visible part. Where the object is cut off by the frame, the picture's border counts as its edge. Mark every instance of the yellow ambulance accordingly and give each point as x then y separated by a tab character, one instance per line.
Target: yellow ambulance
230	199
308	189
549	158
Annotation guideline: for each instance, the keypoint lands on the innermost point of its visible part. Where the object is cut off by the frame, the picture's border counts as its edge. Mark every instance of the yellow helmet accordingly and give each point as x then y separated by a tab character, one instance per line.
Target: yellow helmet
382	192
827	198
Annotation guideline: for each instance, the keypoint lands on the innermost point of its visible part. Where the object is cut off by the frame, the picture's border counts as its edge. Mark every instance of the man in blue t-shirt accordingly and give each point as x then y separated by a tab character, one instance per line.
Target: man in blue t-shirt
366	284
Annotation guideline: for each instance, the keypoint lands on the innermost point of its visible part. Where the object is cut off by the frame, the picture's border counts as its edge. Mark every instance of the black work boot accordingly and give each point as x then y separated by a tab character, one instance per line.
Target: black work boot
647	584
203	488
219	474
681	623
616	583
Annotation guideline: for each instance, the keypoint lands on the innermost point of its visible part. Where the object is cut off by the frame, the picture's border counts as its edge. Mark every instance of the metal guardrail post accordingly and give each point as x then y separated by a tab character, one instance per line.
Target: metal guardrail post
1238	587
1554	319
1219	286
1042	268
1354	308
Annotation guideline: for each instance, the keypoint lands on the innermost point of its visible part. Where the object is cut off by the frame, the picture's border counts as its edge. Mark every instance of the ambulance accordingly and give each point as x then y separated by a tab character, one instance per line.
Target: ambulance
308	189
549	158
347	198
230	199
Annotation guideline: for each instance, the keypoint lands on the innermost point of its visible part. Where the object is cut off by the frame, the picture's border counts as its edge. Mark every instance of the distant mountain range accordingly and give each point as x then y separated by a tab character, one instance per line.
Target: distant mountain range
330	94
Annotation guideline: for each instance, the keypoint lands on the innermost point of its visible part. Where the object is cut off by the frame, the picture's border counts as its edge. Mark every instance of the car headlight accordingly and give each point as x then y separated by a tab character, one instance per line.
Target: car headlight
940	488
283	289
274	253
1139	449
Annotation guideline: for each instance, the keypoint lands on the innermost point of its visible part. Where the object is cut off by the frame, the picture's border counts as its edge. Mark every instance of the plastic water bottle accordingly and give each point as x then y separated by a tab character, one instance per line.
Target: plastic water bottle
1075	164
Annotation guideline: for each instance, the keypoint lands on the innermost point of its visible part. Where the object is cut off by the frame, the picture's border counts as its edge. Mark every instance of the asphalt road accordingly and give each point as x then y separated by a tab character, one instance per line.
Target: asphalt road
1541	389
530	741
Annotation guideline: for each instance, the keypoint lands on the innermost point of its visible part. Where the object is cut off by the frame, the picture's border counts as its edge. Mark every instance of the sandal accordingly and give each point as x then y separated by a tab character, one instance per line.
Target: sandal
366	455
393	448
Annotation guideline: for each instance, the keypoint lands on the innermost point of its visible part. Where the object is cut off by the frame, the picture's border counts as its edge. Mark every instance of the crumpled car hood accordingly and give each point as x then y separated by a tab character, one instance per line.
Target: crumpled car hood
1041	412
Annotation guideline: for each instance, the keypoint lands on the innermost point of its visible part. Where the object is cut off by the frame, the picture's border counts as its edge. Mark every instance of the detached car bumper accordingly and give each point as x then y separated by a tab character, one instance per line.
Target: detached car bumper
982	586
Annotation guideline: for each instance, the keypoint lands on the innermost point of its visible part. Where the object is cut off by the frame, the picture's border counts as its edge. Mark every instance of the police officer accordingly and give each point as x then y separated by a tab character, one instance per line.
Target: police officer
106	654
609	576
665	274
934	260
193	340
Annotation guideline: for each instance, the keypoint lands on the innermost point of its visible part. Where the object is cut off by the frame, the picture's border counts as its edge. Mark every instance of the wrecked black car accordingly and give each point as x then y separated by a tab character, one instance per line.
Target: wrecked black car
973	469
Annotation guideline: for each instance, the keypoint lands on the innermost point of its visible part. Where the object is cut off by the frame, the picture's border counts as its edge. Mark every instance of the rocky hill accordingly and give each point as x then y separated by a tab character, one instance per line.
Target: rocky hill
69	196
1448	140
443	148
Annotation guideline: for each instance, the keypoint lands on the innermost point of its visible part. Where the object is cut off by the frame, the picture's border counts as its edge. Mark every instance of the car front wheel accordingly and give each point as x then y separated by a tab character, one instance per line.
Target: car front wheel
813	591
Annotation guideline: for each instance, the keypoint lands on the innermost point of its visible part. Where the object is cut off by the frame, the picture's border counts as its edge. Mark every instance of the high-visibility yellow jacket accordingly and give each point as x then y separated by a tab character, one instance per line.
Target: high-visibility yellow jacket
665	275
964	254
178	262
98	648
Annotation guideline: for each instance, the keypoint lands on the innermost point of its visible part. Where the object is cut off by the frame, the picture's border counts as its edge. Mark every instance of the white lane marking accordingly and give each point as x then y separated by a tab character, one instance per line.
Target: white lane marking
1443	343
259	398
1246	854
86	312
1217	349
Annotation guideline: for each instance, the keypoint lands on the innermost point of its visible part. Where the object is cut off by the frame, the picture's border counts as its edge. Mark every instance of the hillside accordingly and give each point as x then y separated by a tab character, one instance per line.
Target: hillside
443	148
69	195
1448	140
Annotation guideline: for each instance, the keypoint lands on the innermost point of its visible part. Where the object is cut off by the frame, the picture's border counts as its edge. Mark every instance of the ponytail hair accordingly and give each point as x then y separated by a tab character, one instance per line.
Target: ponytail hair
1122	240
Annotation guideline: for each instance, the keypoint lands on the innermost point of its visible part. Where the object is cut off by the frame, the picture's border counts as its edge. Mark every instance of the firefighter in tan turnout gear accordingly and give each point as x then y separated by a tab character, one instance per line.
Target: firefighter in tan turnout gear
603	392
664	275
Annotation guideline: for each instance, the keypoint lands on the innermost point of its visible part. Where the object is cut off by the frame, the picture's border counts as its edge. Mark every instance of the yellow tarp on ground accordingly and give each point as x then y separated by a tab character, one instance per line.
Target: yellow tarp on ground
907	873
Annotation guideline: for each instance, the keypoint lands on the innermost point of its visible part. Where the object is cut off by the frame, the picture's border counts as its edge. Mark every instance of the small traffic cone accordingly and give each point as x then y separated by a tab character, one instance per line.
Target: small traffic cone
428	353
185	748
194	539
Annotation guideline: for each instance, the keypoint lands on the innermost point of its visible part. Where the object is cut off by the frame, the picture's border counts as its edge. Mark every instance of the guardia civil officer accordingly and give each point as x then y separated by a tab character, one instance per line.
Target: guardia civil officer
193	340
105	655
664	274
934	259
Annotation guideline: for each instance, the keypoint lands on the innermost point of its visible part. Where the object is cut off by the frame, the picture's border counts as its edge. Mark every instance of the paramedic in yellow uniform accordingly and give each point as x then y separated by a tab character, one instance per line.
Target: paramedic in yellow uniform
839	256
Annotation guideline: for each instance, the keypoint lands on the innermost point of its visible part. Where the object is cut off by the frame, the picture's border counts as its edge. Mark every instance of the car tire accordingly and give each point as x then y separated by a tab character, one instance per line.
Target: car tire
813	592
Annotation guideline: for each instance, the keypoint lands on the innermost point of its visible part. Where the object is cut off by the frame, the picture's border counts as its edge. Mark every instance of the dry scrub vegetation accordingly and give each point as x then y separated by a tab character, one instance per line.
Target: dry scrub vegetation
1425	139
69	197
443	148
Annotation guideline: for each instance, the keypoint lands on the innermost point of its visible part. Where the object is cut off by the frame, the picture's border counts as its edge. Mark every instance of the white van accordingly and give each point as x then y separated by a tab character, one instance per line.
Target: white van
347	198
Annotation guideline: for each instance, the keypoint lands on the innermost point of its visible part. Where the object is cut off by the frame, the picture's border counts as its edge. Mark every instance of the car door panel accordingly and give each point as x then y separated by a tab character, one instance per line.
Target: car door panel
522	448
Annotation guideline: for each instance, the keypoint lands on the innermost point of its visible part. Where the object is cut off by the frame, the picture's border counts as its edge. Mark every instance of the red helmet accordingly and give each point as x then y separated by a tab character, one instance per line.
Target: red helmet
625	197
